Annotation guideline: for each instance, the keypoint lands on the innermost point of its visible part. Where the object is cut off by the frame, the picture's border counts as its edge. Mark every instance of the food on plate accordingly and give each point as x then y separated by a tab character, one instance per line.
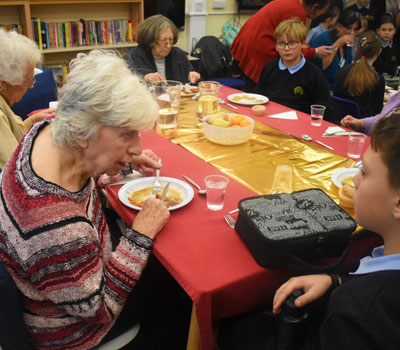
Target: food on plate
346	193
190	90
222	120
348	181
244	97
138	197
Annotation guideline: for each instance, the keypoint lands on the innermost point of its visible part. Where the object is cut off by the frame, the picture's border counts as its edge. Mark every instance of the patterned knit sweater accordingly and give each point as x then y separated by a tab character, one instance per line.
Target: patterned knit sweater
57	248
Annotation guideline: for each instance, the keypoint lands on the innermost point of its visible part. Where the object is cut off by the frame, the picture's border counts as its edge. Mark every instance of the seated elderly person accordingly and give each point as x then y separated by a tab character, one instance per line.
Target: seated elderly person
155	57
54	240
18	58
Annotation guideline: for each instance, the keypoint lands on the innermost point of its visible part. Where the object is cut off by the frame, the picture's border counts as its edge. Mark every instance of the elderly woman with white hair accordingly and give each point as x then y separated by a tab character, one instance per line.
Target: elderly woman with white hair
18	58
54	239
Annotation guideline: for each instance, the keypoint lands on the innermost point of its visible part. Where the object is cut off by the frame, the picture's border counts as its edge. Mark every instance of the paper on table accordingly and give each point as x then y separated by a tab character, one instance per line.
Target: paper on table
285	115
337	131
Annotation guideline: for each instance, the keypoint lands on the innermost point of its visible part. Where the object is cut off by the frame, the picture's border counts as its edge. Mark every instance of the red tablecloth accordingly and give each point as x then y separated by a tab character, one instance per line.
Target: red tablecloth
201	252
293	127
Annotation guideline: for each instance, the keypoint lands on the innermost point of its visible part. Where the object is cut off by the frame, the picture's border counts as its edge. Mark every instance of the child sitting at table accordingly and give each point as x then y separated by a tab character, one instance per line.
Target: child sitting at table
291	80
359	81
389	59
363	310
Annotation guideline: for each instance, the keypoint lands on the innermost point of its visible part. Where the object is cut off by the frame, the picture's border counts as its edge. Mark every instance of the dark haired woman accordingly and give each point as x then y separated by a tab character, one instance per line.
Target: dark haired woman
155	58
359	81
254	45
341	37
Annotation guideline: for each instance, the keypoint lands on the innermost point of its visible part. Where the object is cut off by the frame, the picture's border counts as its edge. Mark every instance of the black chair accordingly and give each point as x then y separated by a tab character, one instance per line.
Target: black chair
13	335
343	107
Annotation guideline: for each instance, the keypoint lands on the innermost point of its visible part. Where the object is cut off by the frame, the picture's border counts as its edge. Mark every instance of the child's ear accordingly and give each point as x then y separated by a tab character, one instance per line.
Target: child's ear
396	209
304	45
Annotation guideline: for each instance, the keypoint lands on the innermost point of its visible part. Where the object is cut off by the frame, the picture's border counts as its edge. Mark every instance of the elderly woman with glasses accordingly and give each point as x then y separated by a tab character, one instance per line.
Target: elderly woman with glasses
18	58
155	58
54	239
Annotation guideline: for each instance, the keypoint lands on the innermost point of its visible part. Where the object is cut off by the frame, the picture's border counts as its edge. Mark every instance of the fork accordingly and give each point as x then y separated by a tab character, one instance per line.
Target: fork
230	220
157	184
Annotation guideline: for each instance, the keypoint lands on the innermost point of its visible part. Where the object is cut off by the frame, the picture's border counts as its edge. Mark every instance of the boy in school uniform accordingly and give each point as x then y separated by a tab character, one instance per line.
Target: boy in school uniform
367	9
363	310
291	80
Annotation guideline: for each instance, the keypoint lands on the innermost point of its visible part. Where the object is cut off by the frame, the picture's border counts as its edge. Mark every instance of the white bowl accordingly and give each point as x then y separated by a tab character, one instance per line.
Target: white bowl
227	136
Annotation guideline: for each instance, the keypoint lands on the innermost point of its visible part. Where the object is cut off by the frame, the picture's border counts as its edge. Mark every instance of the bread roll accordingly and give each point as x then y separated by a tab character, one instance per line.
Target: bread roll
346	193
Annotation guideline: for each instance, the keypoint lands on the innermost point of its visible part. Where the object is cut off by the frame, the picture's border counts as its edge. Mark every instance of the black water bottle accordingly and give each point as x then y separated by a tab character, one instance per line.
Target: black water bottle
291	324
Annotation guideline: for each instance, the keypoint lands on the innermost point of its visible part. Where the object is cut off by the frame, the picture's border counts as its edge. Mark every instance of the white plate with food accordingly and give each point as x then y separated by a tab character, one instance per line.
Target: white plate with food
343	174
248	99
134	193
189	90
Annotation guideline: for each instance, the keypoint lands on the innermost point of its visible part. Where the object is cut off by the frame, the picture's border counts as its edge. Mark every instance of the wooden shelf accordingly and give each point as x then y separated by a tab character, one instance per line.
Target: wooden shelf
87	48
22	12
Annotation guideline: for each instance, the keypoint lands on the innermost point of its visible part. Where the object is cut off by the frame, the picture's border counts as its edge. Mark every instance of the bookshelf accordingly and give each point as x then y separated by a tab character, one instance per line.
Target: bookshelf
64	11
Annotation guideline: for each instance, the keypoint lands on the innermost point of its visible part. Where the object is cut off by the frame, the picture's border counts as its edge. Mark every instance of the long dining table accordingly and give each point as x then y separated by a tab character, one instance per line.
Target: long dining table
204	255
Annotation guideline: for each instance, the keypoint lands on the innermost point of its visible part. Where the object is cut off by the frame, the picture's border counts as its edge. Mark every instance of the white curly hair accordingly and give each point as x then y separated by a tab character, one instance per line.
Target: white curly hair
101	90
17	54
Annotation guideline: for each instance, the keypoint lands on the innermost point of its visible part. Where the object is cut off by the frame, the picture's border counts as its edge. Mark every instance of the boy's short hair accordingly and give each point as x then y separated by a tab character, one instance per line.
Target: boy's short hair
292	28
386	140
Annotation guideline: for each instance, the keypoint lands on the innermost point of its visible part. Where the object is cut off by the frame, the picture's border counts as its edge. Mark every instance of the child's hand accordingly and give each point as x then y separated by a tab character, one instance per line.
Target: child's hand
314	286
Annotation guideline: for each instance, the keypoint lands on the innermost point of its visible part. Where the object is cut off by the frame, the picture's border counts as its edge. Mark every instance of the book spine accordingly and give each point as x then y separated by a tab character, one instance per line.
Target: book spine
47	35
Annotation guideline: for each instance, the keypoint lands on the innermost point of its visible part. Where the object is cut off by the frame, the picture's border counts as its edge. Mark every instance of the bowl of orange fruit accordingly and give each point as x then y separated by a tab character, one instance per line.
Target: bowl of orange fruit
228	128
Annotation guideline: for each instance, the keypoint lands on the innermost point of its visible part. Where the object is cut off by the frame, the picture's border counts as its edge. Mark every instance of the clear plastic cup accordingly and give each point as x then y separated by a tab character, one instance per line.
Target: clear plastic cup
317	114
216	189
356	145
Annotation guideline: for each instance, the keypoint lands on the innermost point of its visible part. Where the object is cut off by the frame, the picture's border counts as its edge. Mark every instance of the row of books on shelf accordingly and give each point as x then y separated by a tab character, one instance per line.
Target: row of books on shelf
81	33
15	27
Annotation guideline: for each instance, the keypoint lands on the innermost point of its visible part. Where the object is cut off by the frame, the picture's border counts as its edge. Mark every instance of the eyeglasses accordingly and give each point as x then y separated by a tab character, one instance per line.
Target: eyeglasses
165	42
291	44
30	82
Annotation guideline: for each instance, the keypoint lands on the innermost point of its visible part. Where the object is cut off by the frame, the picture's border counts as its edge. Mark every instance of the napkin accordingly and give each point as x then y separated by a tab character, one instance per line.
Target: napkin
285	115
337	131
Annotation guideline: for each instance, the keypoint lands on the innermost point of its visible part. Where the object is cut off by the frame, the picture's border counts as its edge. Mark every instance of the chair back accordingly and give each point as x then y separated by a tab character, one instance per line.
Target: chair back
343	107
13	335
44	91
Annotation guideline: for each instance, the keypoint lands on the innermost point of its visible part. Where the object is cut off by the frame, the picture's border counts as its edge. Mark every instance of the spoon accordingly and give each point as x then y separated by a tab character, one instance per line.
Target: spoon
200	191
222	102
309	138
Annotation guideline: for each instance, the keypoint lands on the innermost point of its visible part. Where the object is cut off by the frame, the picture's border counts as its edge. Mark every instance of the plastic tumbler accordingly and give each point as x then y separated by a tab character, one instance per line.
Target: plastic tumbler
216	189
356	144
317	114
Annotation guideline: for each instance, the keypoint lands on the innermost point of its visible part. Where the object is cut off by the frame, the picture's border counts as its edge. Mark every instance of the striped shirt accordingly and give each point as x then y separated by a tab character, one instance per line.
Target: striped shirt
56	246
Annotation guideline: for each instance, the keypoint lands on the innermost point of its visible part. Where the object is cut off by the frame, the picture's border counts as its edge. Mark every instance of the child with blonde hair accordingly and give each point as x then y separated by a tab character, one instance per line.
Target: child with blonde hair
291	80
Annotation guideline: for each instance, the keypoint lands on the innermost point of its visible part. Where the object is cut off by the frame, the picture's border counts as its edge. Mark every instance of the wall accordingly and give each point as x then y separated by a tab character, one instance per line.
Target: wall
207	21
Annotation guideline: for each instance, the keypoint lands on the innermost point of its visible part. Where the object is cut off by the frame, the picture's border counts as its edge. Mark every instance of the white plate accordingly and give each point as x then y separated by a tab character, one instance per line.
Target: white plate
339	175
182	187
248	99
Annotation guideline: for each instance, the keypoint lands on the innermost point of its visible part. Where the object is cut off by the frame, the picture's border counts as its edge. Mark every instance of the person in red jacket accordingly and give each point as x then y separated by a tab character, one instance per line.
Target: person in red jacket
254	45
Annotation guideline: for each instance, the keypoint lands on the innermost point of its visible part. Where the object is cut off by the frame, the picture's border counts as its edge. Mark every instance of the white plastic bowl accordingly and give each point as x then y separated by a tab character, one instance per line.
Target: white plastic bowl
227	136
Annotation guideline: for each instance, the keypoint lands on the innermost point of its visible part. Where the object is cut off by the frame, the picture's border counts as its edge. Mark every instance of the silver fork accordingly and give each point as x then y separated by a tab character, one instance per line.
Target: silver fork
157	184
230	220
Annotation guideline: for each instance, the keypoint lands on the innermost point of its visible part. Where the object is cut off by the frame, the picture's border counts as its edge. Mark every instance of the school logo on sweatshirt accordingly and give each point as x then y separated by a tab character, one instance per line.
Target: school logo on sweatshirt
298	90
393	58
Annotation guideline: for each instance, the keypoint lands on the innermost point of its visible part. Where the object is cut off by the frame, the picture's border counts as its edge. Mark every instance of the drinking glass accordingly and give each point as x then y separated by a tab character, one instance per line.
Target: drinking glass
167	94
356	144
216	189
317	114
208	101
